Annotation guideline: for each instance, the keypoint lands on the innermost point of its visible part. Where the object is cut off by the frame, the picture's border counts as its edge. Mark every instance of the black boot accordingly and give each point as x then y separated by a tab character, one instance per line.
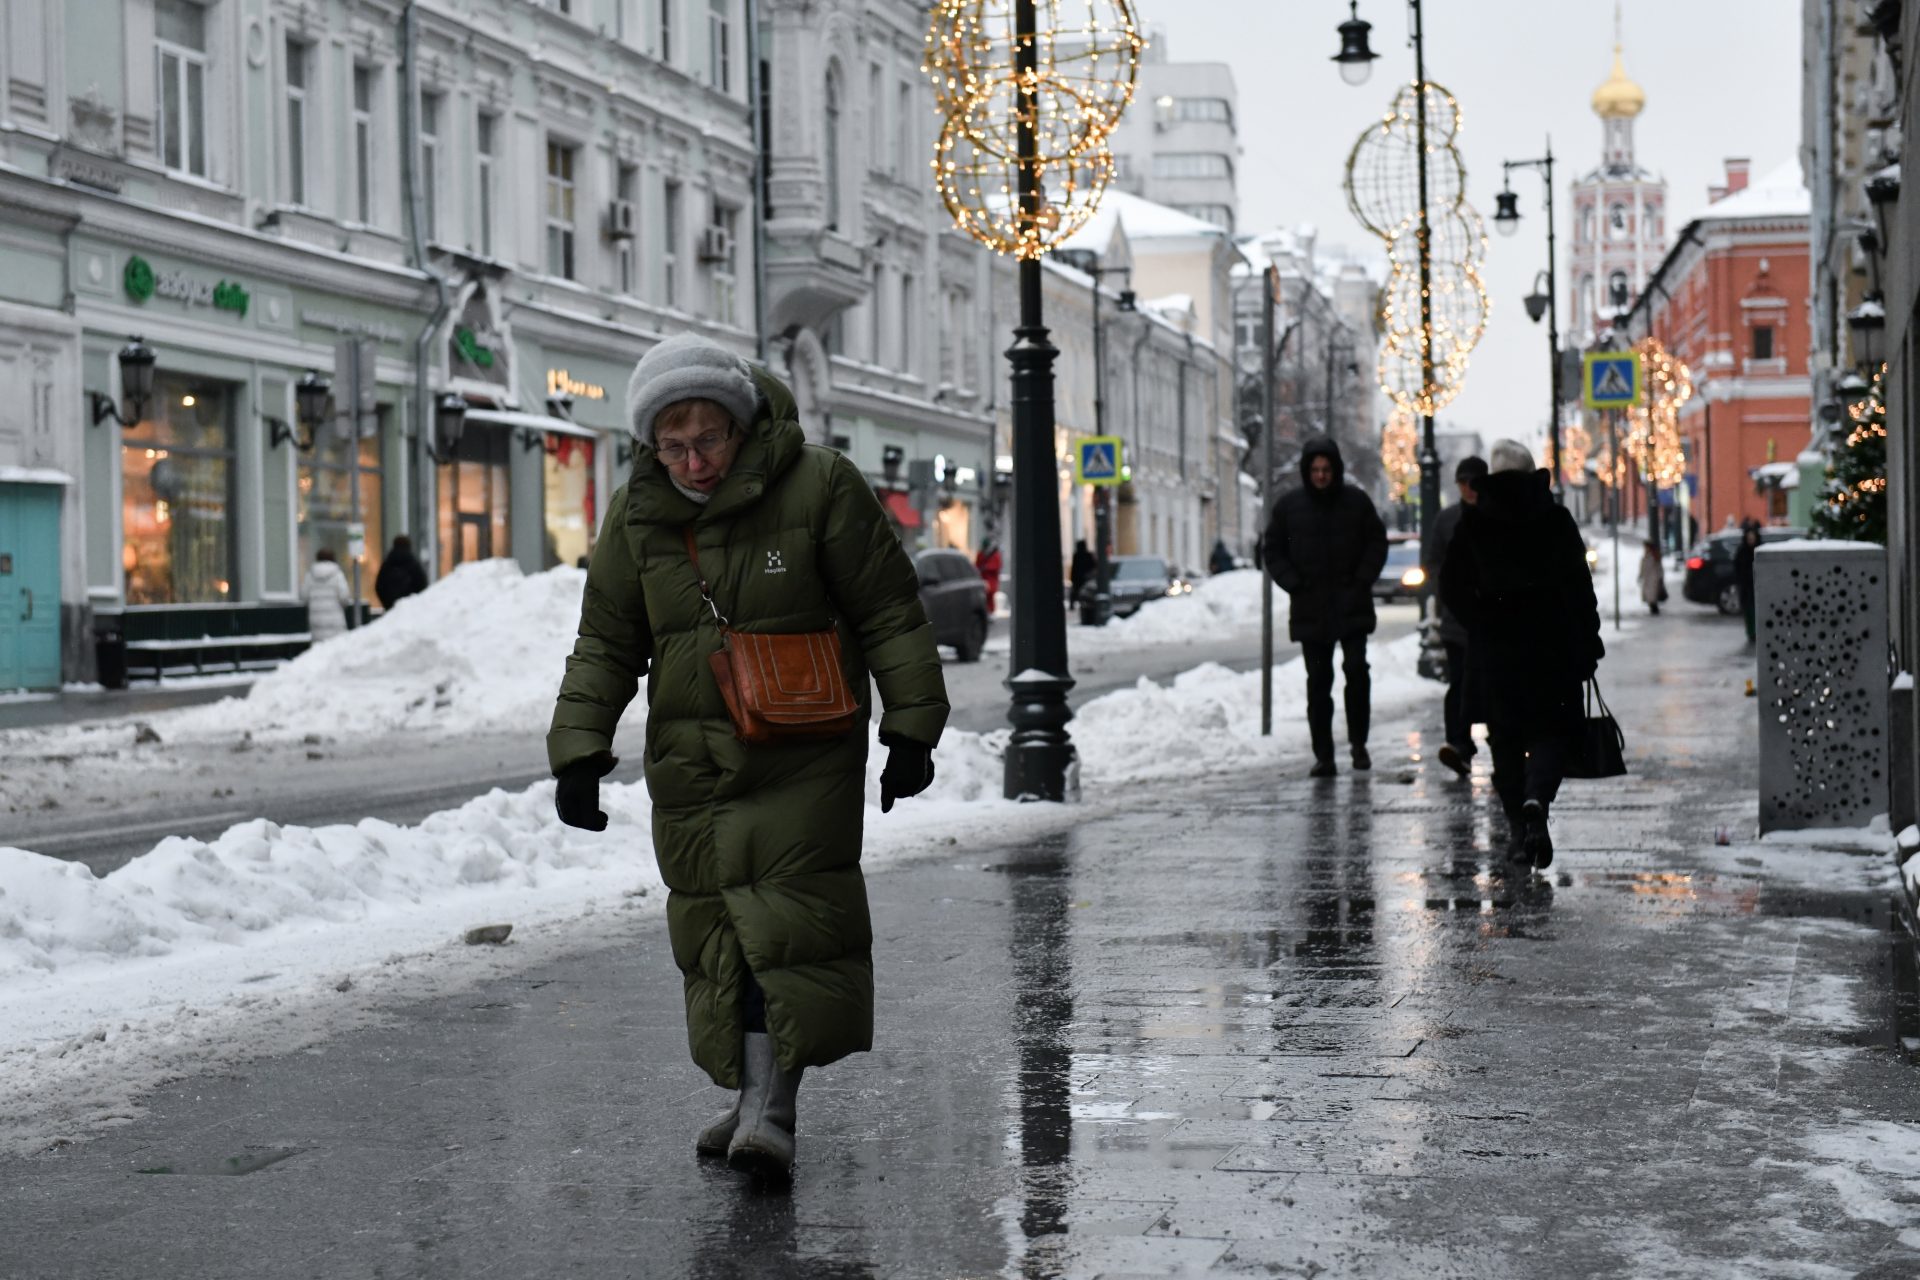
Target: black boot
1536	840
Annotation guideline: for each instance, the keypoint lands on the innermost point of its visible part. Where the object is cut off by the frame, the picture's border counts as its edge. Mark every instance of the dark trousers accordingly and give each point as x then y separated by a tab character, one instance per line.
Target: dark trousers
1459	728
1319	659
1526	766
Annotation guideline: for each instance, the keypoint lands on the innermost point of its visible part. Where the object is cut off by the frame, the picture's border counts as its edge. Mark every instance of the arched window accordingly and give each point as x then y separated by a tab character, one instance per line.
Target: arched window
832	149
1583	304
1618	294
1616	222
1586	224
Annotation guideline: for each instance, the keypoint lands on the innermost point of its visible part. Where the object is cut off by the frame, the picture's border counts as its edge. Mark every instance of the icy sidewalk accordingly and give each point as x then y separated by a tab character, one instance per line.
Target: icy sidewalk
1238	1023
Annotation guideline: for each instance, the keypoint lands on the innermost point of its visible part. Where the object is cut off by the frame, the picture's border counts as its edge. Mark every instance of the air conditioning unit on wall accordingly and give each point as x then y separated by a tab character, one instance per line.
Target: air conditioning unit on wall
716	245
622	219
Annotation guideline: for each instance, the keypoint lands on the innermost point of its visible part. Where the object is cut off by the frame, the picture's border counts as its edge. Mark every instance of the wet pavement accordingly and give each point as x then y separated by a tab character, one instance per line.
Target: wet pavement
1254	1026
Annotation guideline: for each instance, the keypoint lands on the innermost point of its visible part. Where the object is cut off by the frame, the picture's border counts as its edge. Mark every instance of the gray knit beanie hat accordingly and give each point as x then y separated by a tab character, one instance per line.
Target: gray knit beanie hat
684	367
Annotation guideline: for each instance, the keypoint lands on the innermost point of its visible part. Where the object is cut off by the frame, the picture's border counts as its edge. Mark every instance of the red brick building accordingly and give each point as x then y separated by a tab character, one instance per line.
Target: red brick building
1730	299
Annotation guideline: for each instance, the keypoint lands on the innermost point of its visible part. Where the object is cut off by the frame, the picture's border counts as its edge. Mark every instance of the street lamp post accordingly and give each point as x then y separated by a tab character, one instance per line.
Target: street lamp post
1507	218
1098	610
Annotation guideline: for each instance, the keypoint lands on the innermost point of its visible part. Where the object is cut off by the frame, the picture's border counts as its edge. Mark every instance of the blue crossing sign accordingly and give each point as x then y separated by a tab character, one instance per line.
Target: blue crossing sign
1612	380
1097	460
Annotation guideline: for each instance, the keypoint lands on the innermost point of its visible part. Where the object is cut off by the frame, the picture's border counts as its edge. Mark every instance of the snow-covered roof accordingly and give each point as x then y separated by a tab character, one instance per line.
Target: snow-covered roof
1143	220
1781	193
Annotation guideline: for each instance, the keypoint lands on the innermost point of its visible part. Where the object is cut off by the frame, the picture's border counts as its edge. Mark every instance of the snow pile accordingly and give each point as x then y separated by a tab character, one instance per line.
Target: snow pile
482	648
1219	607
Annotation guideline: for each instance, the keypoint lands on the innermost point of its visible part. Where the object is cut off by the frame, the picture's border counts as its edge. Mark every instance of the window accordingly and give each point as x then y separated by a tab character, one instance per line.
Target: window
876	135
625	180
180	117
296	123
325	498
1586	223
666	30
430	162
176	496
903	143
1617	289
907	317
720	45
363	143
670	246
832	157
1616	222
560	210
726	227
1220	215
473	498
1763	342
1202	110
1192	164
570	505
483	178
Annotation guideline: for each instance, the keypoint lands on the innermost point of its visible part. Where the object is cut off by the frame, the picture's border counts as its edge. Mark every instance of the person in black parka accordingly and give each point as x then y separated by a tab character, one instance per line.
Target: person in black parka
1743	570
1457	751
400	575
1516	574
1325	546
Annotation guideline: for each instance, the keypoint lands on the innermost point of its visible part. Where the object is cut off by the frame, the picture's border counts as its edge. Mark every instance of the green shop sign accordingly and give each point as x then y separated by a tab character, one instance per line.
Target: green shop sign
470	349
142	282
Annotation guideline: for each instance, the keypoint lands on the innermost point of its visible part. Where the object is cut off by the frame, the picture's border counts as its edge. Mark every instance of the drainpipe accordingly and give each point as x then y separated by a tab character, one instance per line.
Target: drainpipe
1146	332
425	530
757	113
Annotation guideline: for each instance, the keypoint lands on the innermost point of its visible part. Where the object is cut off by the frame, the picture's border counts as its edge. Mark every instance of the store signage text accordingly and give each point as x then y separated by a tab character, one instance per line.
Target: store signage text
141	282
351	325
470	349
560	382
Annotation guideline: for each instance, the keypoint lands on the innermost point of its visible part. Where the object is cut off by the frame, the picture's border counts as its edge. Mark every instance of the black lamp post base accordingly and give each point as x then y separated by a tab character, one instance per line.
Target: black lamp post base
1042	763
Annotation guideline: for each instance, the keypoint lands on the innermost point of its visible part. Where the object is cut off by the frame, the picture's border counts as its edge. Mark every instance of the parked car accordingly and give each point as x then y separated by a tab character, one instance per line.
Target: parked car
1709	577
1136	580
1401	577
955	598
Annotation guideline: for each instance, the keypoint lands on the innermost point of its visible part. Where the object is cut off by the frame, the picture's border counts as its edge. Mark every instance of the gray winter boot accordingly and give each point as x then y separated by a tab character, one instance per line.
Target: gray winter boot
763	1141
718	1135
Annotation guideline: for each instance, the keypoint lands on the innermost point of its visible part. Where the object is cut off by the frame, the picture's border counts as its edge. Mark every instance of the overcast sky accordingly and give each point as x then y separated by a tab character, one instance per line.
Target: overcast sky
1721	80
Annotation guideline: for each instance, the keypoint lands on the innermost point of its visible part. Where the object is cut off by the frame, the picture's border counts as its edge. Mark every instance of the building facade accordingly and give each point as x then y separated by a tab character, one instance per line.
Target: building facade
498	201
1179	144
1730	299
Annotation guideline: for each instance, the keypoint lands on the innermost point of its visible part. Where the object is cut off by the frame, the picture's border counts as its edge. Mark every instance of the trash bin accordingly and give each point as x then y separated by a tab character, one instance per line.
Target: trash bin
110	654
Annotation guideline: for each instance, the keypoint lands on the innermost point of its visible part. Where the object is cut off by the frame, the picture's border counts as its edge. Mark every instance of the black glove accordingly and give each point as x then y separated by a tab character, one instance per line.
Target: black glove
576	793
909	769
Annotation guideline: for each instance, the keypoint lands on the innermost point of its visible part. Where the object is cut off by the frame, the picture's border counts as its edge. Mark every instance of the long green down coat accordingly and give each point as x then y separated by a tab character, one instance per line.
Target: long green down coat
759	846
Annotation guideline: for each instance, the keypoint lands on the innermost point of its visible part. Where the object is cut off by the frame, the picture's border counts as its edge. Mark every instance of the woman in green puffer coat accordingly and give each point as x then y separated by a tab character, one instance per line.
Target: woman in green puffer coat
759	846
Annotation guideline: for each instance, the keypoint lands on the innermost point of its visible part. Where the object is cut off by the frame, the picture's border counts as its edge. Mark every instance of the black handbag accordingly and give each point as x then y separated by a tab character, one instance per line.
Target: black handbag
1599	751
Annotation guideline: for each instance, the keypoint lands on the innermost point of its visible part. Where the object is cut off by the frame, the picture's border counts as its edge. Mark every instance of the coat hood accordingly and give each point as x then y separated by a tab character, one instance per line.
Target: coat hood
1514	495
1322	447
326	569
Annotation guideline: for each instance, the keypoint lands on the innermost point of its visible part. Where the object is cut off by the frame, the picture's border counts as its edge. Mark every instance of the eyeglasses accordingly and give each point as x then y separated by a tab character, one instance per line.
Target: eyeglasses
674	452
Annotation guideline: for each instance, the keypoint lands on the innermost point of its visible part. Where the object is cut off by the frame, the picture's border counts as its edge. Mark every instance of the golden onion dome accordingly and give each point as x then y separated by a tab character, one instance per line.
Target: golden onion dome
1619	97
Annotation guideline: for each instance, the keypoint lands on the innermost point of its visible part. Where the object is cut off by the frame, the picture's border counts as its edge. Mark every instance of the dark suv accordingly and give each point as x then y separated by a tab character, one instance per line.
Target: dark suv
955	600
1709	577
1135	580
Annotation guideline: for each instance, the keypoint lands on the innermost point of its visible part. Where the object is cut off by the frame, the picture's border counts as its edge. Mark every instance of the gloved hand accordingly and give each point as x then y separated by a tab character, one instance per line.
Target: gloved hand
909	769
576	792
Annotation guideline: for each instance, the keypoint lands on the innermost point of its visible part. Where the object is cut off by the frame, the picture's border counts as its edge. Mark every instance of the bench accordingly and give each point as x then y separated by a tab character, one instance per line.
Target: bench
173	640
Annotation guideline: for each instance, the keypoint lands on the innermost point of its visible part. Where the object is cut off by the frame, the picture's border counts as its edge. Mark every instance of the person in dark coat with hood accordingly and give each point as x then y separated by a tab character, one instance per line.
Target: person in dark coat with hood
1221	561
1457	751
1081	570
1516	575
1325	545
1743	570
401	574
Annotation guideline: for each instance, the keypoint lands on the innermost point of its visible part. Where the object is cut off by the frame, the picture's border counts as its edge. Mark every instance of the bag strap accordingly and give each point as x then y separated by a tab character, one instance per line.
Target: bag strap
1594	698
693	554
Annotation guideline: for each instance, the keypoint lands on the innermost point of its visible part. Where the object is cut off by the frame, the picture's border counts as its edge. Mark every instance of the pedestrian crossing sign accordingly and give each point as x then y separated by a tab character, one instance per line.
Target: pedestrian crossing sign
1612	380
1097	460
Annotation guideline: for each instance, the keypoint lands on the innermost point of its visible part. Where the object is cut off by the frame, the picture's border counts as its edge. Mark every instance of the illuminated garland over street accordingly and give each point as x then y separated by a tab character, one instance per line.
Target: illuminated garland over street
1400	453
1087	60
1575	447
1653	437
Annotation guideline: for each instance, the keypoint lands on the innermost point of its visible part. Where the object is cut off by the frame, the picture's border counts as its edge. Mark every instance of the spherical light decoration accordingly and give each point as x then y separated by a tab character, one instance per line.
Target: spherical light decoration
1383	169
1458	309
981	190
1086	64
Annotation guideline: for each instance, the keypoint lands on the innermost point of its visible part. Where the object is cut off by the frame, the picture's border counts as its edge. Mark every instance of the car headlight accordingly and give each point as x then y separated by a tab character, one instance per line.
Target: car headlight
1414	577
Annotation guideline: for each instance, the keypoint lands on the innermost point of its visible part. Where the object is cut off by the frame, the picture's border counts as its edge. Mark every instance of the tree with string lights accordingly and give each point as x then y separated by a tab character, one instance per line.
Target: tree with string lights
1854	502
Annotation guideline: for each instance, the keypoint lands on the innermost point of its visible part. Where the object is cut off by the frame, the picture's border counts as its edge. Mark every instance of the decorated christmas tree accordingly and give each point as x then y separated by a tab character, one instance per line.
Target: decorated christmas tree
1855	499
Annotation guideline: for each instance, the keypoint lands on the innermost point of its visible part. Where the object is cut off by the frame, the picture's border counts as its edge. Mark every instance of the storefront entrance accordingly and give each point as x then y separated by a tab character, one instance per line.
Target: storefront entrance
473	498
29	586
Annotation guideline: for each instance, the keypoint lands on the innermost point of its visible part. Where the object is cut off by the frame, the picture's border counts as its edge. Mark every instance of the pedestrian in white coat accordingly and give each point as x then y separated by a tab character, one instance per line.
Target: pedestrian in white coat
327	595
1653	579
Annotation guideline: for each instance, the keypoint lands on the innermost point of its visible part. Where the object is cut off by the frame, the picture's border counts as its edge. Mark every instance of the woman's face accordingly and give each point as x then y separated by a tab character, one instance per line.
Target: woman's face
699	448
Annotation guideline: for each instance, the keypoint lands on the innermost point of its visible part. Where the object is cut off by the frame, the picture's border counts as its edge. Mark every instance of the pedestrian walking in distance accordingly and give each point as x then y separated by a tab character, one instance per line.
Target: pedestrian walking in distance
328	597
731	534
1080	570
1325	546
1457	751
1743	570
1516	574
1653	579
988	562
401	574
1221	561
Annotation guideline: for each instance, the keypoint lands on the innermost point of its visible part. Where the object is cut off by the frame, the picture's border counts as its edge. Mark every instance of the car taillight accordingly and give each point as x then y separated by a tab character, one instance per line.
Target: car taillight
1696	562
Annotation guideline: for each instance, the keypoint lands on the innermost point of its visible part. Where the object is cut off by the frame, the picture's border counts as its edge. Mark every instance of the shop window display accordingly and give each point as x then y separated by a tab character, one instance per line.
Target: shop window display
472	511
176	496
325	500
571	515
